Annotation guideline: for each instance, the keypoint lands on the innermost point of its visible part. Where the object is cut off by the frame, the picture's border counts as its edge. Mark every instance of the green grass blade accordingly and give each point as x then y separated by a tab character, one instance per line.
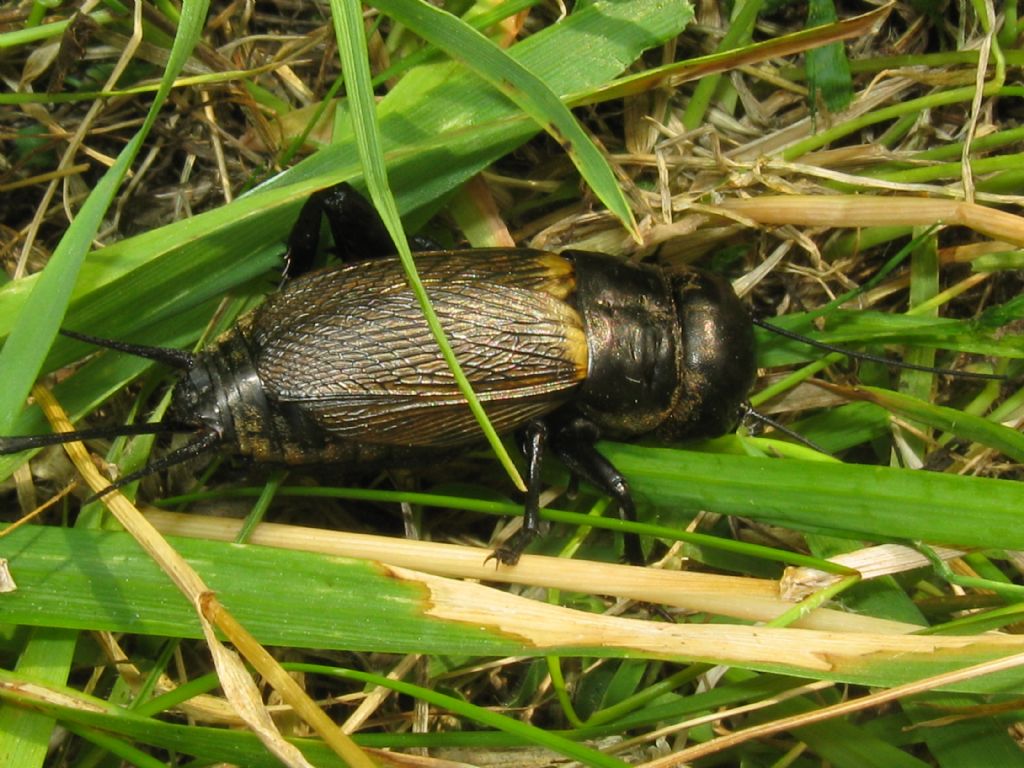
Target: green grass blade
842	743
846	328
22	355
739	32
465	44
858	501
348	21
828	71
527	733
30	337
973	742
964	425
209	745
76	578
25	738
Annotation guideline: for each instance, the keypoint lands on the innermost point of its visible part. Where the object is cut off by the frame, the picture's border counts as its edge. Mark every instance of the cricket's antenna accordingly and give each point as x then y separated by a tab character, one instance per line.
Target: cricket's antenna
175	358
746	409
18	444
875	358
204	438
204	441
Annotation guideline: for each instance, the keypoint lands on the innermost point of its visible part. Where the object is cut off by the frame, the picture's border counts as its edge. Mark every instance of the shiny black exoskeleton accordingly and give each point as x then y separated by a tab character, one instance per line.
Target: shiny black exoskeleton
562	349
340	367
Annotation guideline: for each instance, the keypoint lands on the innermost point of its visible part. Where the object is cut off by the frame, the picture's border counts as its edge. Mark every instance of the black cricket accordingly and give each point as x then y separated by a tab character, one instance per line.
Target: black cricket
339	367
